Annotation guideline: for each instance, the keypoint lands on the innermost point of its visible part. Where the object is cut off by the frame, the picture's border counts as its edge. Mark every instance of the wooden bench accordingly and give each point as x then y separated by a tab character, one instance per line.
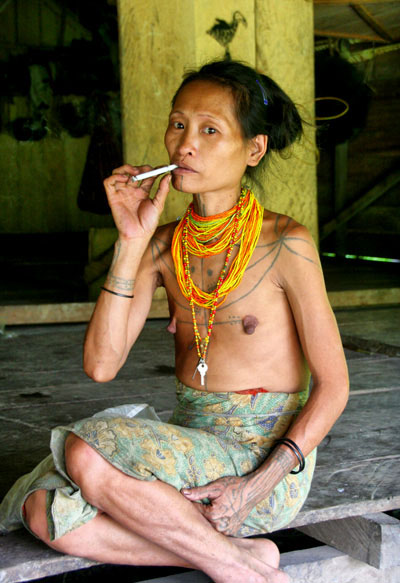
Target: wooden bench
357	479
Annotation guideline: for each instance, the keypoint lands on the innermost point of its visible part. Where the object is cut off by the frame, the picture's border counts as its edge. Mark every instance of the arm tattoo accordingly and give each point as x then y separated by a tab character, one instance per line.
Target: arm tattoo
115	281
259	484
236	497
120	282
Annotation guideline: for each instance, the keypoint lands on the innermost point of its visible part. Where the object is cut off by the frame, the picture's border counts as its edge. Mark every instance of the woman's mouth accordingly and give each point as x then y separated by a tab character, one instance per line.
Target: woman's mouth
183	169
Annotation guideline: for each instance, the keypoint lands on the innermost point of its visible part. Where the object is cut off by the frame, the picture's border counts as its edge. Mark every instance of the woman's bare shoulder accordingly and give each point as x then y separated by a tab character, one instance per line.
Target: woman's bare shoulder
280	227
289	243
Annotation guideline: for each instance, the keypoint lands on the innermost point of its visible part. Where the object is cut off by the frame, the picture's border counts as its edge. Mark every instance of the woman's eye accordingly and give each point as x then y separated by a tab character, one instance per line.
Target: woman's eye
178	125
210	130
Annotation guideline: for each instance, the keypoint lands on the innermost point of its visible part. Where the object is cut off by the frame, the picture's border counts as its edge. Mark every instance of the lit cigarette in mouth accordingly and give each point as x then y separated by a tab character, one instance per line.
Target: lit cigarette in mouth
154	172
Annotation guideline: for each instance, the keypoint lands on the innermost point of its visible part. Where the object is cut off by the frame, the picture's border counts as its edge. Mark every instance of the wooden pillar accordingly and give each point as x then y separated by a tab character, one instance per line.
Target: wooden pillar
340	193
159	39
285	51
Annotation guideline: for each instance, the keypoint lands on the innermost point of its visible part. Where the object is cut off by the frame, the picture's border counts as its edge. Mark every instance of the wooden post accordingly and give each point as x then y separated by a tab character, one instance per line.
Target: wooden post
160	39
285	52
340	193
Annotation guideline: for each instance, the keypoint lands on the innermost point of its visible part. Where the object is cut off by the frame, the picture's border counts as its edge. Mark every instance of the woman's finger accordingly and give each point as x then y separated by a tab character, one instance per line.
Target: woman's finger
162	193
129	169
112	180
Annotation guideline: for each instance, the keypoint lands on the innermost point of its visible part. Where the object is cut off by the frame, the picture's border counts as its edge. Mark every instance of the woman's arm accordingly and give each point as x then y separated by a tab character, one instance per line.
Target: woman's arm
302	280
300	277
118	319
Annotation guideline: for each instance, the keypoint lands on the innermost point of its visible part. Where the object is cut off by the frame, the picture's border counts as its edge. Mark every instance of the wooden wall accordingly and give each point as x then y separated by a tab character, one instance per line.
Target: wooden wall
39	180
372	156
159	40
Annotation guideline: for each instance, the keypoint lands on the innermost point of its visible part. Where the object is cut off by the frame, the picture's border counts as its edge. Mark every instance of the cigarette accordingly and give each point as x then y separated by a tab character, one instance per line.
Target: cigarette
154	172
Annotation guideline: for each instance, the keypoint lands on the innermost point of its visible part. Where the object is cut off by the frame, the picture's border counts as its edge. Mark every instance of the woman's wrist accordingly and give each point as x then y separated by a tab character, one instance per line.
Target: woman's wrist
124	266
277	465
133	245
119	284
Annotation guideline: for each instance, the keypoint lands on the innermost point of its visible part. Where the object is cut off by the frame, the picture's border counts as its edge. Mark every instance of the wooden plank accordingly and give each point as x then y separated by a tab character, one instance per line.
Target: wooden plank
345	510
372	538
377	220
327	565
357	468
364	297
320	565
189	577
46	313
371	21
346	2
361	203
16	315
24	558
64	313
337	34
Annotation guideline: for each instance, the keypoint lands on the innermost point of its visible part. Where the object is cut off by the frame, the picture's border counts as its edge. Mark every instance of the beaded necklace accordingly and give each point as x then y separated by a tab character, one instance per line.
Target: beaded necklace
206	236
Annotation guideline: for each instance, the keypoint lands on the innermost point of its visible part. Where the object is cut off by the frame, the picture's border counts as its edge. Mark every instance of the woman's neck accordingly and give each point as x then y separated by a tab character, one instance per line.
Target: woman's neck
210	204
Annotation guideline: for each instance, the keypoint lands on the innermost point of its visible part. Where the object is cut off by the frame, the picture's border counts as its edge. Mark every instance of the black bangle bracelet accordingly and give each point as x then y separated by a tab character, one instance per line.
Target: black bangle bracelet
301	464
296	450
116	293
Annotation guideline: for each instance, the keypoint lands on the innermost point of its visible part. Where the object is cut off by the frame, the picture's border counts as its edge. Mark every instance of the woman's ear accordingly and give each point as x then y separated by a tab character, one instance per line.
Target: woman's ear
257	149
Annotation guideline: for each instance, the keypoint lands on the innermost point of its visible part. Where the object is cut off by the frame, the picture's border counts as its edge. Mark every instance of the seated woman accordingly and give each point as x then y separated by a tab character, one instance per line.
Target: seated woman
251	319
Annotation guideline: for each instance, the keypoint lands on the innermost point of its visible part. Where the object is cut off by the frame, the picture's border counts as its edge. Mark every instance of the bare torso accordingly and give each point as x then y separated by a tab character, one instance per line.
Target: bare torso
254	341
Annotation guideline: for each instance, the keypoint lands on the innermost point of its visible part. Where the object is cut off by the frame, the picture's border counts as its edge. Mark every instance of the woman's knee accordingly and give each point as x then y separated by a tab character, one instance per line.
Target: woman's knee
84	466
36	518
36	515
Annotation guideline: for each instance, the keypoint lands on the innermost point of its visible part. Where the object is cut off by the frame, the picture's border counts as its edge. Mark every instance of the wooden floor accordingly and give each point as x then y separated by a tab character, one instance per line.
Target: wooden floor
358	471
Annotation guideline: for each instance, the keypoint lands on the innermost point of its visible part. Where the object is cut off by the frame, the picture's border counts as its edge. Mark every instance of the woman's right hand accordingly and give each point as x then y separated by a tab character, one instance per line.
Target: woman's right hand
136	215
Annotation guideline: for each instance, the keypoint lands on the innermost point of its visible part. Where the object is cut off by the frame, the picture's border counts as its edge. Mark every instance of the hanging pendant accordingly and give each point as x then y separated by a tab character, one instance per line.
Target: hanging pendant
202	369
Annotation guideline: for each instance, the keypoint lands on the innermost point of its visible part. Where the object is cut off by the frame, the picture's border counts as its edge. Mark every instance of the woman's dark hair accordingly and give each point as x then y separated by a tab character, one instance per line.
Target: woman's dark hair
262	107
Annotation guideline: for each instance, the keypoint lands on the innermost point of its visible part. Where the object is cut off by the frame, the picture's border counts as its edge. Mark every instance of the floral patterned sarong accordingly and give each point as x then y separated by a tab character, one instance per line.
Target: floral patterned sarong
210	435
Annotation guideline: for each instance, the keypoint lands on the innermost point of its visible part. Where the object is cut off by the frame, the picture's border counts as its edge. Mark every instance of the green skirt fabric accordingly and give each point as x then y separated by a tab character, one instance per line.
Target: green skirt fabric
210	435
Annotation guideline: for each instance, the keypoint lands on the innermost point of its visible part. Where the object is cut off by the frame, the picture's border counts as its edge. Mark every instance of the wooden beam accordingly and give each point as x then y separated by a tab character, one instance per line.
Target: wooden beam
46	313
372	538
338	34
377	220
361	203
327	565
364	297
17	315
371	21
346	2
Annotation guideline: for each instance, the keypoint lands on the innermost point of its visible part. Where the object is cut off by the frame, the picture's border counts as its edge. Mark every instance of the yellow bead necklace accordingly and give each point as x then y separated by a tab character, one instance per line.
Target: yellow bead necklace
206	236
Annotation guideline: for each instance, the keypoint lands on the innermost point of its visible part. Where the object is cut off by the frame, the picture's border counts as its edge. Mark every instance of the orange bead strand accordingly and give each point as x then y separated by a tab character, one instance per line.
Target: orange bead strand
206	236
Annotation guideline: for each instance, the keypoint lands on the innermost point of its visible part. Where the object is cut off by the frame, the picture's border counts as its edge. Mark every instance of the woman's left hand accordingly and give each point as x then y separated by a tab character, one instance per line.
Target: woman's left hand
229	503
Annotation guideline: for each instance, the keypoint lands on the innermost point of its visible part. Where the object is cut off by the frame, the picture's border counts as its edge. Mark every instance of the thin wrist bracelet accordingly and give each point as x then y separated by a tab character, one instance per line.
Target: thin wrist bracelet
296	450
116	293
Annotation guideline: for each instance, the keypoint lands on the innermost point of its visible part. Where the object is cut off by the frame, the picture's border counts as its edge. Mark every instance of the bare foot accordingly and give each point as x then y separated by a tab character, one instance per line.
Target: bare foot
261	548
257	563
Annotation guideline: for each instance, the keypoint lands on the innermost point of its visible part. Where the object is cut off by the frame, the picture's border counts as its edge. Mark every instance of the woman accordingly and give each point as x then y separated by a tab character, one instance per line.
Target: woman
251	319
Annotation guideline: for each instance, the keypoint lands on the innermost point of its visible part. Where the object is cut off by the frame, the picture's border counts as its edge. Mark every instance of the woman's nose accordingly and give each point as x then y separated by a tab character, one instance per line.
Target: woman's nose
186	144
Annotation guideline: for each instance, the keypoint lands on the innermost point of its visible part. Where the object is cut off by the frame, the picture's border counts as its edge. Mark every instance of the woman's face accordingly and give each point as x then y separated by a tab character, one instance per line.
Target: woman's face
204	139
